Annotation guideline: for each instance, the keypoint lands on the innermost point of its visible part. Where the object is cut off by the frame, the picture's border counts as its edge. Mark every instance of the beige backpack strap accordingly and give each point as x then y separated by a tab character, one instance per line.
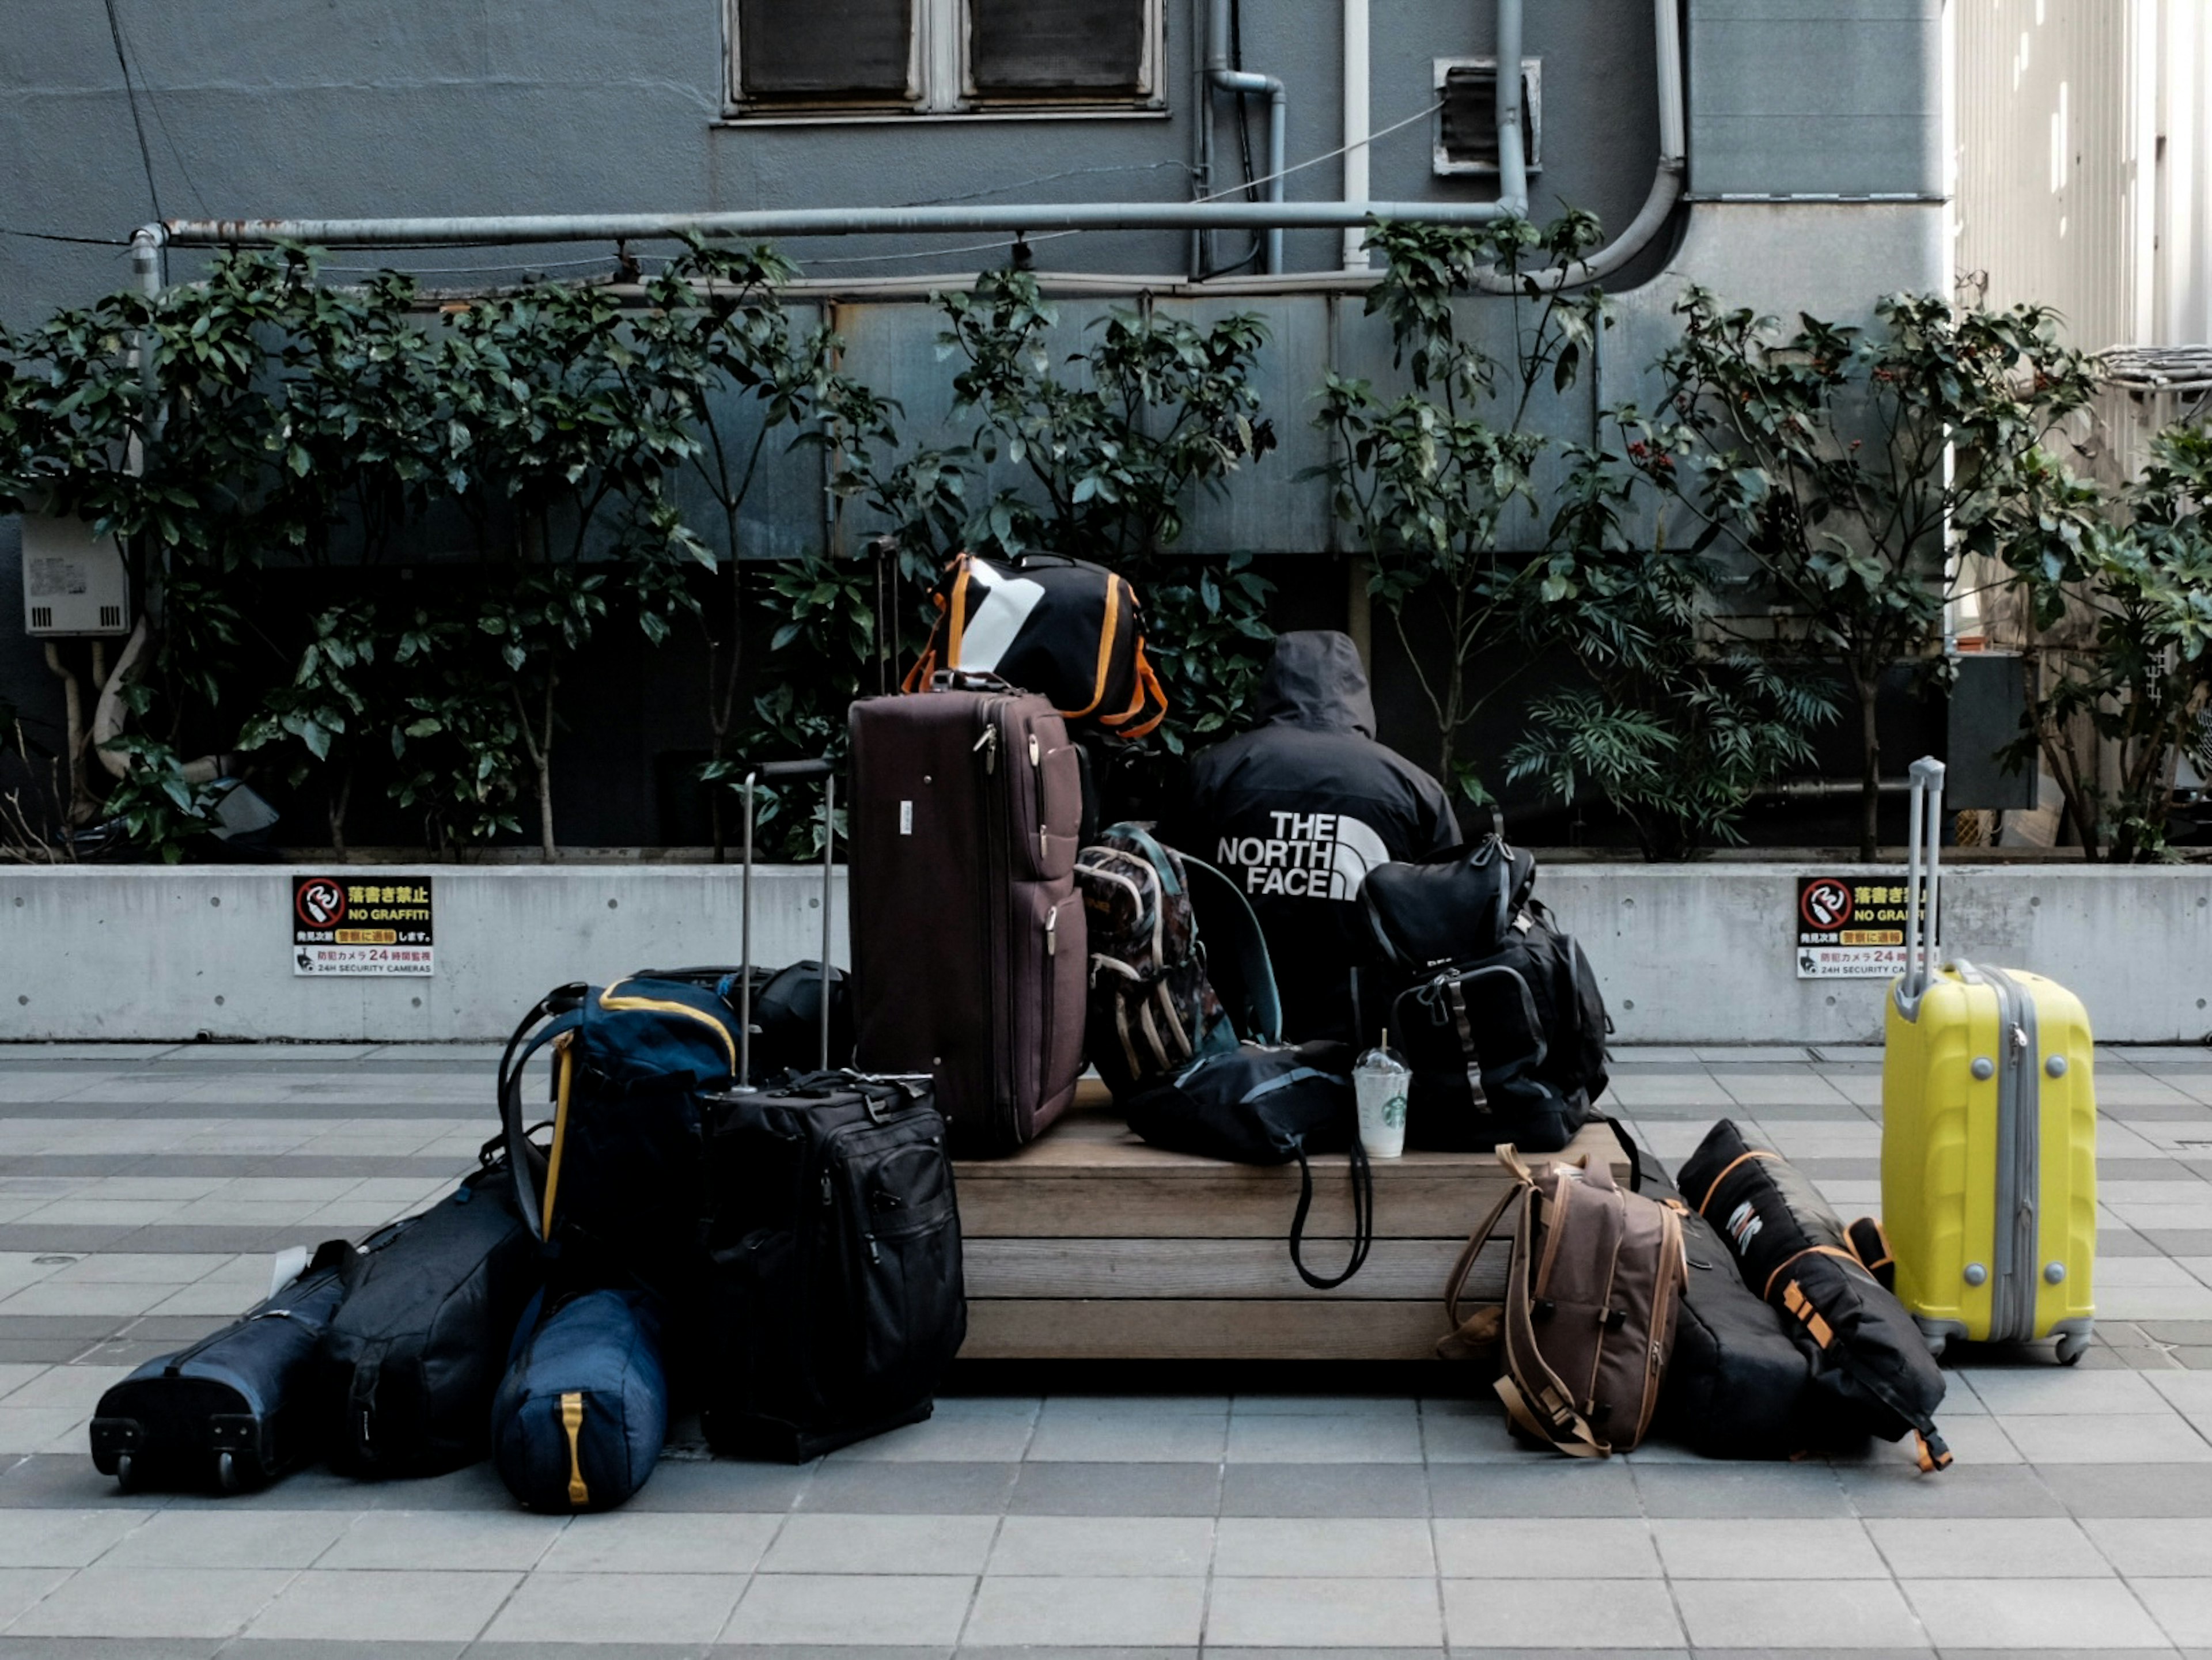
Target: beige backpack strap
1481	1329
1578	1442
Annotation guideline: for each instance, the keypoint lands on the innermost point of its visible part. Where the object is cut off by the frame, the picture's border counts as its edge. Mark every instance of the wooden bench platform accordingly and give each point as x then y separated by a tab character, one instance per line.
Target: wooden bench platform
1088	1244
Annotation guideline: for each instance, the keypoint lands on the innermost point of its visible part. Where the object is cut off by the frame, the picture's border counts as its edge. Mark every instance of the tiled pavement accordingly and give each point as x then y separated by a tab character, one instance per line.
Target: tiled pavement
141	1189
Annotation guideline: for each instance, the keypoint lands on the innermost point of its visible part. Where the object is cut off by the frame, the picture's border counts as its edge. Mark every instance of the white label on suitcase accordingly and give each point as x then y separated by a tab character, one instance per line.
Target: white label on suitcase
906	819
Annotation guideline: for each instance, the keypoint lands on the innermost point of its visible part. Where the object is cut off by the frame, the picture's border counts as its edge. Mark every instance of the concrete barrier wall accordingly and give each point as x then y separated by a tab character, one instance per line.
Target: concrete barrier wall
1687	954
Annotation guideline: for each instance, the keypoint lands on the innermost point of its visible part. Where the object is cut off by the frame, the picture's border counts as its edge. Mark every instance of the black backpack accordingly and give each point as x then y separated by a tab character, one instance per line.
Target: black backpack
1258	1105
408	1365
835	1298
1497	1011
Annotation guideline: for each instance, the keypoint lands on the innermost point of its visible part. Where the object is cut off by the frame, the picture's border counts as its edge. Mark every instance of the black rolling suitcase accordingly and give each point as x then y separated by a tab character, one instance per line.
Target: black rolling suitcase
236	1409
408	1363
835	1298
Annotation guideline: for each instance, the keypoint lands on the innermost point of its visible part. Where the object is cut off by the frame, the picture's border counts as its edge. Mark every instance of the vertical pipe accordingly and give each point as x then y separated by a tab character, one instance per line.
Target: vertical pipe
829	847
1203	138
1278	159
1512	161
745	951
1357	123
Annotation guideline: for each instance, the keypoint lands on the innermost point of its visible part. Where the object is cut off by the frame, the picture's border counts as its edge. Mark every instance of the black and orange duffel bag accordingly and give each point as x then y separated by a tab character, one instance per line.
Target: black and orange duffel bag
1068	630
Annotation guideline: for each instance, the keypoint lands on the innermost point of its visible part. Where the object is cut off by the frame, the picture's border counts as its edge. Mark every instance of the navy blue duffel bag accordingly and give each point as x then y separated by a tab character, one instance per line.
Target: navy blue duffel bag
579	1418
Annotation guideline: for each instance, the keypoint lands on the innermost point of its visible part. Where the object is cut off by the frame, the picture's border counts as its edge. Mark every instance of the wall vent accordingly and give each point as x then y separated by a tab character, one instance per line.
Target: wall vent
1467	116
74	582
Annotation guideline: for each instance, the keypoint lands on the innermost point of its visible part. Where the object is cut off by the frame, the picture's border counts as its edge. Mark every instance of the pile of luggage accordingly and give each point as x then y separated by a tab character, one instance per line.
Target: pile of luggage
742	1194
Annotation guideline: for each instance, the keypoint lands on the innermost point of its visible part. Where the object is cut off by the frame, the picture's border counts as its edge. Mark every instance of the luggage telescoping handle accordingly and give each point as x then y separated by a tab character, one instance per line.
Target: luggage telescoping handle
794	772
1924	836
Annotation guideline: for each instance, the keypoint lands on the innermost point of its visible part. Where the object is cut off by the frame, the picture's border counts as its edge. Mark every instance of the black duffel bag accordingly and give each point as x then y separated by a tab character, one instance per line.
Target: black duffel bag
408	1365
1737	1385
1792	1248
1497	1011
1268	1104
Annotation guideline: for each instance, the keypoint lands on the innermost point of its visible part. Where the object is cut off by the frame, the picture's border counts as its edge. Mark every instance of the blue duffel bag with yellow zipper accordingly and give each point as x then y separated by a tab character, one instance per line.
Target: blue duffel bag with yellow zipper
581	1414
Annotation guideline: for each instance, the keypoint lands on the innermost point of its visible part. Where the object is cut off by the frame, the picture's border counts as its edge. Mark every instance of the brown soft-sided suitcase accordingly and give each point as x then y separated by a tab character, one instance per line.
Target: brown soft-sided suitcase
969	949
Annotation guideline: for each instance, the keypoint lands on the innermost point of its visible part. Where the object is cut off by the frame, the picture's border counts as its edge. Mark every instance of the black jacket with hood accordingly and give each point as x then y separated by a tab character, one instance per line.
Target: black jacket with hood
1299	809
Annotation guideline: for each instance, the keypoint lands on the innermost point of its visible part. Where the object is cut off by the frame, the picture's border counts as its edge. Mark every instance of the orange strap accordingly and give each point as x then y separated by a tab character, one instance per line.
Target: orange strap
1755	1152
1148	684
1809	1250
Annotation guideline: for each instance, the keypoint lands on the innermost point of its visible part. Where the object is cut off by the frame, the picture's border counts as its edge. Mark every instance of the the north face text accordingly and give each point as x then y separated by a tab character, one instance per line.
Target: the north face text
1312	855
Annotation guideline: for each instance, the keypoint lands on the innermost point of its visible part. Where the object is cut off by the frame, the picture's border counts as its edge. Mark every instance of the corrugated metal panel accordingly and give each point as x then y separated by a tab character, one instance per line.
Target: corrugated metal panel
2052	128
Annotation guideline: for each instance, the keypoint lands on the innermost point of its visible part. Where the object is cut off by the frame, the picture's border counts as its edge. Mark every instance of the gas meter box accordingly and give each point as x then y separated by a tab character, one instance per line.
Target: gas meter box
74	582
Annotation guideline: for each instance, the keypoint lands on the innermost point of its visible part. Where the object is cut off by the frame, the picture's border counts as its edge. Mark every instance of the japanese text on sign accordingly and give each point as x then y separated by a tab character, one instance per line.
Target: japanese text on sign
1850	928
343	925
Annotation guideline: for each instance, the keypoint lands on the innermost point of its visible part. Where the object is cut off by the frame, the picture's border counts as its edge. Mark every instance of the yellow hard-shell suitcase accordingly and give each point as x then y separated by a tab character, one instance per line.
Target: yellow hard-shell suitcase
1989	1134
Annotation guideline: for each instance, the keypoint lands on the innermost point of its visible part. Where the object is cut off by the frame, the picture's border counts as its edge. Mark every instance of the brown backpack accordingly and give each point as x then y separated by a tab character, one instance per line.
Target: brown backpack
1591	1293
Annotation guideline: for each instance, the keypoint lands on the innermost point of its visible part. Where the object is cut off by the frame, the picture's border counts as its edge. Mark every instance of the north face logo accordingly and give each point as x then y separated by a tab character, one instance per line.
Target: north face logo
1311	855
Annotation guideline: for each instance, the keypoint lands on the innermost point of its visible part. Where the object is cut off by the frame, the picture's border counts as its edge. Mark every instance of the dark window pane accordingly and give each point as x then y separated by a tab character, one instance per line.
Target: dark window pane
1470	115
824	48
1056	45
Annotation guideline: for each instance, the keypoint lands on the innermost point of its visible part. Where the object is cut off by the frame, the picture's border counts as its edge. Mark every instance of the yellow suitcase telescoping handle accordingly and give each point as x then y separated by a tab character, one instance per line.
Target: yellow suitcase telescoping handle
1924	836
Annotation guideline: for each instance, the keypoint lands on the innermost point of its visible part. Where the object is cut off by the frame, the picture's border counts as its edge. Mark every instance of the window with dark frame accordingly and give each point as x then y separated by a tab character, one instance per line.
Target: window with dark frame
941	57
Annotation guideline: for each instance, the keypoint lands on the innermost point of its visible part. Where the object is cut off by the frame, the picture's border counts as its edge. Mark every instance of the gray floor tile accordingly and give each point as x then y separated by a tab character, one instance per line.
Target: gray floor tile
163	1602
1788	1614
1324	1490
1738	1490
1603	1613
1128	1611
1988	1547
1323	1547
2183	1607
2017	1613
412	1605
1570	1487
110	1648
1071	1489
1245	1612
198	1538
65	1538
879	1609
1163	1547
1601	1548
2154	1548
1898	1489
2089	1490
722	1484
630	1541
916	1489
615	1607
1767	1548
823	1543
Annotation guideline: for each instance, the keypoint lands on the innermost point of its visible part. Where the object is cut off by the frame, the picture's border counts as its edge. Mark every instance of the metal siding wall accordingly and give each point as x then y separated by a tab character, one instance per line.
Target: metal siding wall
2049	203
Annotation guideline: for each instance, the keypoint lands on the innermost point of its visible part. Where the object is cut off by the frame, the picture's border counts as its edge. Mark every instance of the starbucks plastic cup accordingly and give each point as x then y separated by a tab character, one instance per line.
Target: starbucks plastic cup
1379	1082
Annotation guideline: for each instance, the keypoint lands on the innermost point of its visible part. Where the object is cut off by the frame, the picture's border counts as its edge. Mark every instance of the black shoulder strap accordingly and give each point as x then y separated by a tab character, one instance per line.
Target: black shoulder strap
1230	914
1362	1219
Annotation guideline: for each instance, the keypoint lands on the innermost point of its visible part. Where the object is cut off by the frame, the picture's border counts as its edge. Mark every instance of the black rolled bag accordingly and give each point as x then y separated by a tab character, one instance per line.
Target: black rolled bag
1868	1357
582	1415
1495	1010
1737	1385
407	1366
234	1410
1268	1104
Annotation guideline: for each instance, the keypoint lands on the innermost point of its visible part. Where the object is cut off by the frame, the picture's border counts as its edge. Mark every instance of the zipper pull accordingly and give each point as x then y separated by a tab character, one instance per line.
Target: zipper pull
988	744
1044	846
1033	750
874	1255
2019	1038
828	1198
1051	933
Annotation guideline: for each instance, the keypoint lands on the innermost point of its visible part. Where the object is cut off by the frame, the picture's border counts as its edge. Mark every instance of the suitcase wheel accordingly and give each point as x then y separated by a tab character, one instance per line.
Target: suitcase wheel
126	1472
226	1472
2072	1345
1937	1342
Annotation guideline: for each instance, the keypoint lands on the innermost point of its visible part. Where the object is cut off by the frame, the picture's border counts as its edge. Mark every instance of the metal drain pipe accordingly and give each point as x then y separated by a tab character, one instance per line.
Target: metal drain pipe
1666	183
1223	78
